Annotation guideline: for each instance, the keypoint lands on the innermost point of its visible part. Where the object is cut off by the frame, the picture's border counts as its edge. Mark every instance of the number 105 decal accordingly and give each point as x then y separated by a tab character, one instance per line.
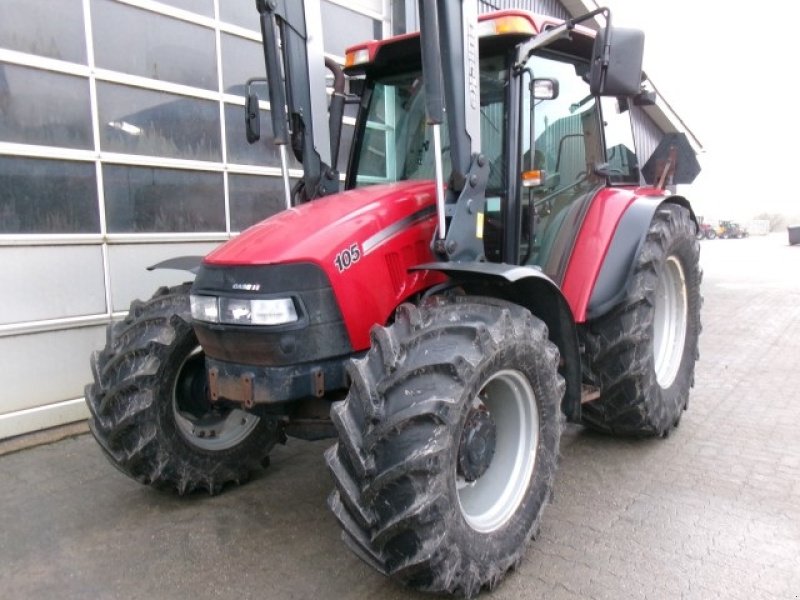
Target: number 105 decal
347	257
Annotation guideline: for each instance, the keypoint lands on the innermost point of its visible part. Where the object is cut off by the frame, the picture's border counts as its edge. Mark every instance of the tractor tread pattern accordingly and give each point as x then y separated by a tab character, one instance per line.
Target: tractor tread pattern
390	463
127	421
619	345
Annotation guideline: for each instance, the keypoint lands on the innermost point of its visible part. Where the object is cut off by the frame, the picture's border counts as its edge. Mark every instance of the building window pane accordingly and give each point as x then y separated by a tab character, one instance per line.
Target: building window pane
240	12
140	121
52	29
349	28
201	7
143	43
40	107
254	198
148	200
47	196
241	60
264	152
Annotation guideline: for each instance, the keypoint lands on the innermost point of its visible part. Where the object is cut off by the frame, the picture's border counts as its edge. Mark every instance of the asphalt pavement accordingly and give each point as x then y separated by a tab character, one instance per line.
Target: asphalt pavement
713	511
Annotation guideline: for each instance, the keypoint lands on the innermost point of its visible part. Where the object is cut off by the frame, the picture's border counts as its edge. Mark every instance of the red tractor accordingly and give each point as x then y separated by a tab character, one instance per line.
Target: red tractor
442	330
705	231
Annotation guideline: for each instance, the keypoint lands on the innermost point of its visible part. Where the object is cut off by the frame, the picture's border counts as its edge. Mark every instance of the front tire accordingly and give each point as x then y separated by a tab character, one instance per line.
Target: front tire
150	410
642	354
447	443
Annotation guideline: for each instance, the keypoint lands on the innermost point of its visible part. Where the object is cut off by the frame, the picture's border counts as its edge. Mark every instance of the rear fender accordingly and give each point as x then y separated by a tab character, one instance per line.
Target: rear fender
528	287
615	275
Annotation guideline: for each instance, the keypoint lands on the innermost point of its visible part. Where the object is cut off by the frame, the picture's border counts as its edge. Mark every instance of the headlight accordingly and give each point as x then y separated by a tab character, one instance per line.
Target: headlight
243	311
273	312
204	308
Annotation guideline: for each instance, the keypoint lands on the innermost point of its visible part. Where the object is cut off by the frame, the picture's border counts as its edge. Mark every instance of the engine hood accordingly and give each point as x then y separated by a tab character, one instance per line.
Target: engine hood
317	231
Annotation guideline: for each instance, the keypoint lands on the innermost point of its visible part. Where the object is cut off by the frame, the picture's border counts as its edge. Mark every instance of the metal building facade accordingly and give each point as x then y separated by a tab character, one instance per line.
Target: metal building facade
553	8
122	144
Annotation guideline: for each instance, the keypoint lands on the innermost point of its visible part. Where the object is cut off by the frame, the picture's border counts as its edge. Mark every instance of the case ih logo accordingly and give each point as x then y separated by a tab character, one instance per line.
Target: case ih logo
472	67
248	287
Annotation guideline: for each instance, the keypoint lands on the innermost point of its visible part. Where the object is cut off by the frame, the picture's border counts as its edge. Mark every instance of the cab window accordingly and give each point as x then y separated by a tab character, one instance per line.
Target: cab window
565	144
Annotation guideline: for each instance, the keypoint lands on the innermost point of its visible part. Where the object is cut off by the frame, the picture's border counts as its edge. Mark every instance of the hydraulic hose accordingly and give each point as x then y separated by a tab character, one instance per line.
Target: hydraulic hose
336	109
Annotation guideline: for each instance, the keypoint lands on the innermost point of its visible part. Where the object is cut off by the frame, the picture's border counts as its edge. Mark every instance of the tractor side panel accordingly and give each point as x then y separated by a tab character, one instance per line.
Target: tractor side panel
593	242
372	288
365	240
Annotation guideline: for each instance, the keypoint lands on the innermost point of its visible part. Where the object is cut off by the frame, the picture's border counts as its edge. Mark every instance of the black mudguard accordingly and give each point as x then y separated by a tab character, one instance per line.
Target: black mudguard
191	264
615	274
528	287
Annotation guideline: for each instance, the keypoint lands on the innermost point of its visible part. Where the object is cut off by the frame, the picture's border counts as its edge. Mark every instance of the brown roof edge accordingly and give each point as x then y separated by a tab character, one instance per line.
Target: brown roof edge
683	126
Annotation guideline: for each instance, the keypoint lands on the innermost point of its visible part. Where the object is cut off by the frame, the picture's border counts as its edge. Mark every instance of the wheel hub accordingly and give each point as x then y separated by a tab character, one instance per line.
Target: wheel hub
497	450
669	322
205	426
477	445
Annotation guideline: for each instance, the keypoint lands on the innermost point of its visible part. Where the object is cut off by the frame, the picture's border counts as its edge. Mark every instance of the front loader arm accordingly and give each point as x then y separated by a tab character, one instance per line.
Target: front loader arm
293	53
449	42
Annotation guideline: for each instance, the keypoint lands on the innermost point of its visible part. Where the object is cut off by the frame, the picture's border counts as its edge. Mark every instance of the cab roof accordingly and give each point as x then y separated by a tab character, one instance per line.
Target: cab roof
499	29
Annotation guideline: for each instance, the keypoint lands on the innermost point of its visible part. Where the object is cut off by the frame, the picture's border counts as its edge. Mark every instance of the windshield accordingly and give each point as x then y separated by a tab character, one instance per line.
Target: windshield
397	145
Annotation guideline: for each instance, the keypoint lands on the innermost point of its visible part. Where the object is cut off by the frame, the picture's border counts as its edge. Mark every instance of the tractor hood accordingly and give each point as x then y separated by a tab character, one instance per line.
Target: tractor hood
317	231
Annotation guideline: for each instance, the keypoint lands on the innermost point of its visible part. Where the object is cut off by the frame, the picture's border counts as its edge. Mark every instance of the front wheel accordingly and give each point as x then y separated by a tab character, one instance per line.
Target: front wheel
447	443
150	408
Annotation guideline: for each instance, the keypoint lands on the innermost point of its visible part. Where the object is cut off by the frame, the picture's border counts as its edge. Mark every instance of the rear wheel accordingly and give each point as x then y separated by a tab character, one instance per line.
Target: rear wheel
447	443
642	354
150	408
711	234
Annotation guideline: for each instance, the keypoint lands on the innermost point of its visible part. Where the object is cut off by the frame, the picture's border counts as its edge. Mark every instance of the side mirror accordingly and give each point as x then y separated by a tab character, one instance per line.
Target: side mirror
544	89
617	62
252	118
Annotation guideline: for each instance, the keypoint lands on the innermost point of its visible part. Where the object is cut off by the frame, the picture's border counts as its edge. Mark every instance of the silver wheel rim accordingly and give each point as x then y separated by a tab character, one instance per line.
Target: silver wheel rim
214	431
490	501
669	322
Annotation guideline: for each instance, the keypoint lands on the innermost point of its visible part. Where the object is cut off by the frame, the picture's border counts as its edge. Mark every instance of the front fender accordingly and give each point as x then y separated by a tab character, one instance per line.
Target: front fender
528	287
191	264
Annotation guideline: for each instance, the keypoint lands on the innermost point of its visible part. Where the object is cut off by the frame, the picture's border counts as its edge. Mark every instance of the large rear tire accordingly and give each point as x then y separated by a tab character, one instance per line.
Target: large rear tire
448	443
150	410
642	354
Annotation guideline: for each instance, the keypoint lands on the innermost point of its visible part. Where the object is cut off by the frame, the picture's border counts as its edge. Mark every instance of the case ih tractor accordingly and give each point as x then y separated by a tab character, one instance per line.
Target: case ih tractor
489	272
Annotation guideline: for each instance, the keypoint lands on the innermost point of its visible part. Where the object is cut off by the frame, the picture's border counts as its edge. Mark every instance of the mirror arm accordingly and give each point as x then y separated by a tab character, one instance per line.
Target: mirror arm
607	40
252	81
547	37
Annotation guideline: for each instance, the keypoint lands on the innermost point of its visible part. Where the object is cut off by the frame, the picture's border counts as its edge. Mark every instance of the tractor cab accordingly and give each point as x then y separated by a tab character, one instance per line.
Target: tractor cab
541	129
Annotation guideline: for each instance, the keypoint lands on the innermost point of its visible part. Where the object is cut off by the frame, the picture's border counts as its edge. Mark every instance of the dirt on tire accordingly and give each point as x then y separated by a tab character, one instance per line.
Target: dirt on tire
620	345
397	497
131	401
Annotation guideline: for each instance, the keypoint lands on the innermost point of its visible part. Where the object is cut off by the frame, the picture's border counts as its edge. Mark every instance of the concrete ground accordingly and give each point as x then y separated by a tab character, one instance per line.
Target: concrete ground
713	511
